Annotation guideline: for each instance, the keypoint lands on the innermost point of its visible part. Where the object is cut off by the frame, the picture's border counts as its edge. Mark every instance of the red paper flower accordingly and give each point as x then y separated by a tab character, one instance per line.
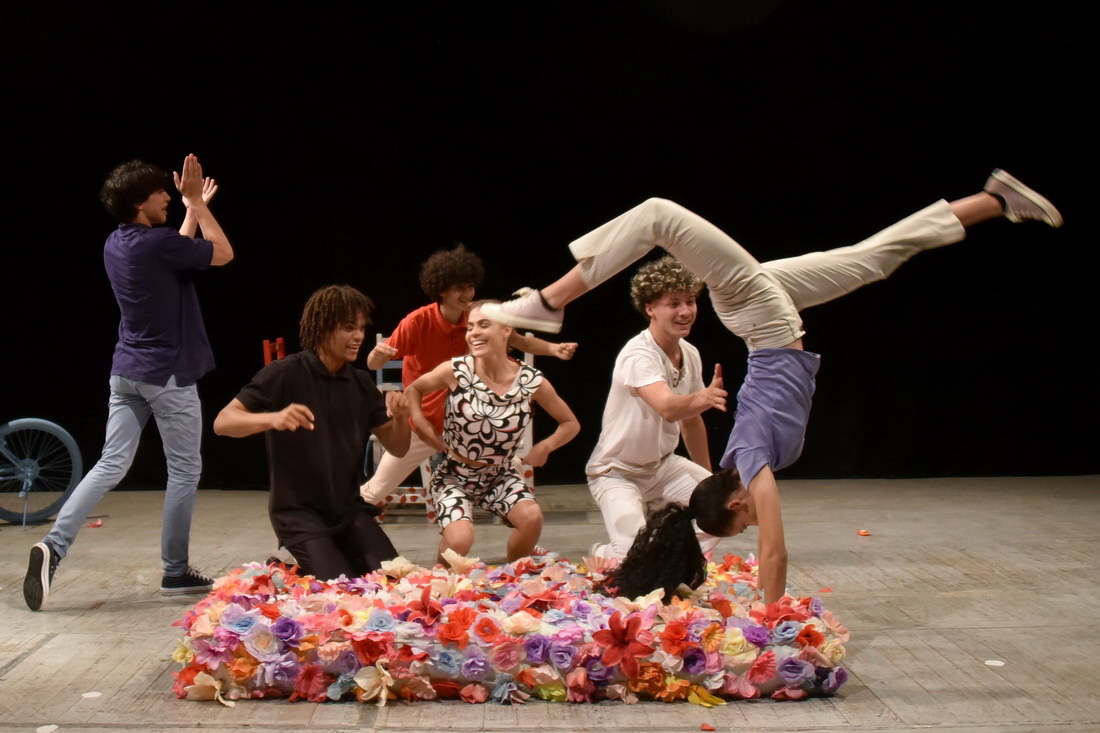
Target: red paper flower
624	643
447	690
673	638
454	633
425	608
373	647
763	669
487	629
311	684
809	636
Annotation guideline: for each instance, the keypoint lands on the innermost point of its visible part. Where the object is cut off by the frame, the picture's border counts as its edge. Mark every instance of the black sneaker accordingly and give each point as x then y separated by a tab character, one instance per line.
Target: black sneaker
40	569
191	581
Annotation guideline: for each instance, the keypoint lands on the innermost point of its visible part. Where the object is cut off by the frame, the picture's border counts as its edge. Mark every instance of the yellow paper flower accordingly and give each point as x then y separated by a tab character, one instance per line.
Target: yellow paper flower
554	692
206	687
833	650
183	654
374	682
700	696
459	563
398	567
521	623
640	603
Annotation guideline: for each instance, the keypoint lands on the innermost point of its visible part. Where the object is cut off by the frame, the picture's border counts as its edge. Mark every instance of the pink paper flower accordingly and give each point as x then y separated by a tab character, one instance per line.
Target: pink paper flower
474	693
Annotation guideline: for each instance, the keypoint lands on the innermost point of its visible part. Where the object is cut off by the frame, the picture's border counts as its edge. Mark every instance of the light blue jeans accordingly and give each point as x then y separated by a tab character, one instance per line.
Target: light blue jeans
179	420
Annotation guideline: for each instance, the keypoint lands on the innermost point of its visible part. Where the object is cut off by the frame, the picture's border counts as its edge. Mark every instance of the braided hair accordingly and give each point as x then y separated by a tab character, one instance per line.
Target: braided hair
326	309
666	551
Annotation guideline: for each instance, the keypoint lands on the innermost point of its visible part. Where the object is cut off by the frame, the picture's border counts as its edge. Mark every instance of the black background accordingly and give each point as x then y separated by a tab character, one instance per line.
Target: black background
351	142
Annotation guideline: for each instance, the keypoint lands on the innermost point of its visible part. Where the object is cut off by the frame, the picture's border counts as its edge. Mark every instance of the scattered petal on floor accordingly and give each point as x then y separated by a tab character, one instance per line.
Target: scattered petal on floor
45	729
994	663
706	726
826	589
96	523
863	533
92	694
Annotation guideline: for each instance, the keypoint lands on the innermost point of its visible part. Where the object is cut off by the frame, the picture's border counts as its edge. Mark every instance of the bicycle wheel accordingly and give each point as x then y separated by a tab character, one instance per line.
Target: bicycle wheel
38	460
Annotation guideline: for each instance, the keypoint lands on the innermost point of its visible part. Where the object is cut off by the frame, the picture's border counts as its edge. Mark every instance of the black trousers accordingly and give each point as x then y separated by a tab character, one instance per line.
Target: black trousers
357	550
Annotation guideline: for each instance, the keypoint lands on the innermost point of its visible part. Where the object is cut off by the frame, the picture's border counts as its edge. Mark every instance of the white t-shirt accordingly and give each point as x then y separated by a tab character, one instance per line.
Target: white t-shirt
634	438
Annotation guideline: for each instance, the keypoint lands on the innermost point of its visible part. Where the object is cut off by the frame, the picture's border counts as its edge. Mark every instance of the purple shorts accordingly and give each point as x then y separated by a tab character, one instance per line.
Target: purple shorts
773	407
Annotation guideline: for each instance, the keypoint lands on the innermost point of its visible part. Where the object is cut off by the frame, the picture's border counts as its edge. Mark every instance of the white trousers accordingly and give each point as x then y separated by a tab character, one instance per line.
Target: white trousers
392	470
758	302
622	499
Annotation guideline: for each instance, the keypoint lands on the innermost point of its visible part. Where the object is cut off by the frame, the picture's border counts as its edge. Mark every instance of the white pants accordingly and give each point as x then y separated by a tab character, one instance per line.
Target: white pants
392	470
759	302
622	500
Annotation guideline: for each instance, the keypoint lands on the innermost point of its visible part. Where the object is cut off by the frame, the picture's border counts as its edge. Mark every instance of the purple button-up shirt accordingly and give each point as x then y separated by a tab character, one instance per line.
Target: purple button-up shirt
160	333
773	407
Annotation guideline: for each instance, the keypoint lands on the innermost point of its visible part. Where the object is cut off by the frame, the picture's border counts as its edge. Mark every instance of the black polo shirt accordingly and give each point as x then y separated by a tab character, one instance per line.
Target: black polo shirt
315	474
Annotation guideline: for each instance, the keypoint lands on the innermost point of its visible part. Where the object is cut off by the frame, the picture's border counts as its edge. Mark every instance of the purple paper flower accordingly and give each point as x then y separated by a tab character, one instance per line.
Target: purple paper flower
786	632
756	634
511	605
280	673
794	671
345	664
581	609
697	627
287	630
598	672
237	620
561	655
536	646
836	678
571	635
695	661
816	607
208	654
476	668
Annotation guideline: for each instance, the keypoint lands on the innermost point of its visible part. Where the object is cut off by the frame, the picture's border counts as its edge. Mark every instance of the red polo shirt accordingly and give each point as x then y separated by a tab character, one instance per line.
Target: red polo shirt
424	340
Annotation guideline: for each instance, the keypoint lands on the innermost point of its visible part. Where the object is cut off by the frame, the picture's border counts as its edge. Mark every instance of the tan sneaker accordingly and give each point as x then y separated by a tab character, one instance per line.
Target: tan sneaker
1021	203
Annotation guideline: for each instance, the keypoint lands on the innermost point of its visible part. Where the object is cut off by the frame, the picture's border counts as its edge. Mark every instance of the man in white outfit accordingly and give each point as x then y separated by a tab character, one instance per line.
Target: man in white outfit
657	396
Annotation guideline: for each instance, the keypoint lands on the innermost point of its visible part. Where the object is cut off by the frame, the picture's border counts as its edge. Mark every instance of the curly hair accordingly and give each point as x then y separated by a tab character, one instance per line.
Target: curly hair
654	279
128	185
326	309
449	267
666	551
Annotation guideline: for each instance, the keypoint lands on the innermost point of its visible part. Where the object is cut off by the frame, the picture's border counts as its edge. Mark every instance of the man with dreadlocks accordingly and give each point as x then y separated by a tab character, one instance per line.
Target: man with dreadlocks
316	411
657	395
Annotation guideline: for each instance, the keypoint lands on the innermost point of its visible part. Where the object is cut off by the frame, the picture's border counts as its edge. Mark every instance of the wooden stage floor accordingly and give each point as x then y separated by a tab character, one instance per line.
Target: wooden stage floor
955	573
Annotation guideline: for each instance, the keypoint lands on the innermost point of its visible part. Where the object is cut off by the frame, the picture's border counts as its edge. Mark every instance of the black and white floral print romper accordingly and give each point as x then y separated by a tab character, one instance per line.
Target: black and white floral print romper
487	427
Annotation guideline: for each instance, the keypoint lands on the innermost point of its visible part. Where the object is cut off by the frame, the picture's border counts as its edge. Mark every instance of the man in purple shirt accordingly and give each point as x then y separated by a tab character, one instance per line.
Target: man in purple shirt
162	350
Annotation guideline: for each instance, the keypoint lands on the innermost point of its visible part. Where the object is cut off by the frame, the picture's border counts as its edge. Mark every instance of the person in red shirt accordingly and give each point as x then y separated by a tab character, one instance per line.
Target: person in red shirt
426	338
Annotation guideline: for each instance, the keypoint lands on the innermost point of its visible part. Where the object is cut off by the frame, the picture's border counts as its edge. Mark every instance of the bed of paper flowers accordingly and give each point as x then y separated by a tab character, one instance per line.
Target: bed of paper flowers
534	628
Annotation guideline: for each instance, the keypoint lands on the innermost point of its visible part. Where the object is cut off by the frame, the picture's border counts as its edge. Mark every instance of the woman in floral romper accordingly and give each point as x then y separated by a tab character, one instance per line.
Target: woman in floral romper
488	408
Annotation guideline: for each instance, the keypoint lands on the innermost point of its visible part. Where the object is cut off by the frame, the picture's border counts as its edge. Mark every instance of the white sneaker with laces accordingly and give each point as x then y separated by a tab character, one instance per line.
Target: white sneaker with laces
526	311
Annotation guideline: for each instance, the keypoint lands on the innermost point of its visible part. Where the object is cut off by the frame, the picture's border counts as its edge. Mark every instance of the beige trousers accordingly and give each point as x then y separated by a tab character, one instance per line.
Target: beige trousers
392	471
759	302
